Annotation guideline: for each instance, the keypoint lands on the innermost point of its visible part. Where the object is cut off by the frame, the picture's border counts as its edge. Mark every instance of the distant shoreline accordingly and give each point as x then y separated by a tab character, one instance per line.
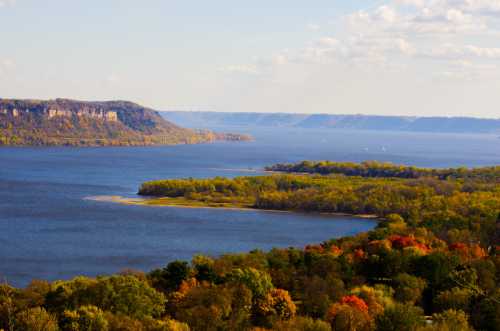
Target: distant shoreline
191	204
364	122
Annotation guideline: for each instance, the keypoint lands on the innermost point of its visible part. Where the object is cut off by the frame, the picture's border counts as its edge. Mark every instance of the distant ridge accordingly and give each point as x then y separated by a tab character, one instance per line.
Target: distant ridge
84	123
327	121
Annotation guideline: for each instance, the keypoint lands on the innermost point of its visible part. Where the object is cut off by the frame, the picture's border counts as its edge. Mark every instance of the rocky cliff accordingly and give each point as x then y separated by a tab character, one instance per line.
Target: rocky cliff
79	123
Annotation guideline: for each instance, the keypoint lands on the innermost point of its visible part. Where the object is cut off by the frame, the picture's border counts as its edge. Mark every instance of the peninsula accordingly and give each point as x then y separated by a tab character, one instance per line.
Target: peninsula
63	122
369	188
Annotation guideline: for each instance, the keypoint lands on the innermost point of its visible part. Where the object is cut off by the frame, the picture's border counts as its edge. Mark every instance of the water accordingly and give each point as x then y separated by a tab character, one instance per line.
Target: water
48	230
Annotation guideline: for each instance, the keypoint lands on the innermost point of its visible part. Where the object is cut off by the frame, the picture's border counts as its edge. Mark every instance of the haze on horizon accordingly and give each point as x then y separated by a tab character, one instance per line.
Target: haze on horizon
390	57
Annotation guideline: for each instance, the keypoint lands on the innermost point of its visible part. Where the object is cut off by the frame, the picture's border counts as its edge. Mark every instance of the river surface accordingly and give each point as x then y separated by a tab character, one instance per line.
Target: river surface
49	230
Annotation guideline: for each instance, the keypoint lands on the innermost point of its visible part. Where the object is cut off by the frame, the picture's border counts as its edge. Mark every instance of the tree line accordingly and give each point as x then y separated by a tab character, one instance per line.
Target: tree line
386	169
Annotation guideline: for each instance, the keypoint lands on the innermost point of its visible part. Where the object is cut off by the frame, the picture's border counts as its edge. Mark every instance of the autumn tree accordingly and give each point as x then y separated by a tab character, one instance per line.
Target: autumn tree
85	318
36	319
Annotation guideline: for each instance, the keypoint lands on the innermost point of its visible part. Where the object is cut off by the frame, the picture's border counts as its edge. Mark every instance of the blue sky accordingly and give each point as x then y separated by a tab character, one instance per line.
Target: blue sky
400	57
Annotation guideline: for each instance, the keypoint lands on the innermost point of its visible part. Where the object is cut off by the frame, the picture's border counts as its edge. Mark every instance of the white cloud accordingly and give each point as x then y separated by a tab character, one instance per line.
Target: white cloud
8	63
5	3
7	66
250	69
403	56
113	79
414	3
354	49
404	33
428	20
467	70
386	14
328	42
486	52
451	51
313	27
436	29
481	7
279	59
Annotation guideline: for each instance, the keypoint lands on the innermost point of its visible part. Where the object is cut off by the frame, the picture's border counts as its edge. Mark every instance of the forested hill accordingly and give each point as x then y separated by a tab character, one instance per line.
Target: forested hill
70	122
432	263
329	121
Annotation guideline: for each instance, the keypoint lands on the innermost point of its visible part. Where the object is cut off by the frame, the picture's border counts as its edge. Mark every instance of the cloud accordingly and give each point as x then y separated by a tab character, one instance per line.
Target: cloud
412	29
467	70
6	66
430	20
386	14
356	50
248	69
8	63
5	3
400	34
414	3
481	7
453	52
327	42
313	27
113	79
486	52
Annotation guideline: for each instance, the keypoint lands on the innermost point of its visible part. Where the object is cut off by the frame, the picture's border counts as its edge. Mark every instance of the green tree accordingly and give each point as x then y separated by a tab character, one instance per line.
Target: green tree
216	308
449	320
119	294
129	296
300	323
408	288
170	278
400	317
455	298
257	281
166	324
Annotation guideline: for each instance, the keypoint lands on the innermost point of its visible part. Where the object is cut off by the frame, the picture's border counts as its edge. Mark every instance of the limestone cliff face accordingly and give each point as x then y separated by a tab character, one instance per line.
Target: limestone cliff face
98	114
70	122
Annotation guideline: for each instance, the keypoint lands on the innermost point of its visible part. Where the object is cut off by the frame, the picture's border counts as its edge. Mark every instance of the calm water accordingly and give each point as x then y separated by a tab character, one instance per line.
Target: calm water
49	230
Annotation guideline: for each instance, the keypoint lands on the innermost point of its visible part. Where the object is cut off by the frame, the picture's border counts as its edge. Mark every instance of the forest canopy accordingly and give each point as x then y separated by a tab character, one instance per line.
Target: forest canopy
431	264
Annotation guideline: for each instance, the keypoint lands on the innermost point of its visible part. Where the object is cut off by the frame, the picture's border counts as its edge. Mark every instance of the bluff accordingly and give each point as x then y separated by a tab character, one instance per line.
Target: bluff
336	122
82	123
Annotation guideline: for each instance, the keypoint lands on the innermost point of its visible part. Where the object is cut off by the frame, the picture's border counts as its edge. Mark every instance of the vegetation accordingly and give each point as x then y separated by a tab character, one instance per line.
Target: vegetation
432	263
439	205
76	123
387	170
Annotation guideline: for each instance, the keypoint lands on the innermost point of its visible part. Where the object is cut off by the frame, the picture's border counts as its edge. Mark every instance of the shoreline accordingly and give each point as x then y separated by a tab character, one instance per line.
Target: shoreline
174	203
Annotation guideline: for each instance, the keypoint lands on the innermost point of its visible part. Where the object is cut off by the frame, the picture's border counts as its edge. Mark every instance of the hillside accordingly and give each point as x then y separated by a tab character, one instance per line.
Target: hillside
431	264
328	121
78	123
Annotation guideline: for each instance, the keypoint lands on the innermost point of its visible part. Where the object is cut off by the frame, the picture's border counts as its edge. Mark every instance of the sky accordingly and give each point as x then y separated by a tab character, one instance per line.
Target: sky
399	57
